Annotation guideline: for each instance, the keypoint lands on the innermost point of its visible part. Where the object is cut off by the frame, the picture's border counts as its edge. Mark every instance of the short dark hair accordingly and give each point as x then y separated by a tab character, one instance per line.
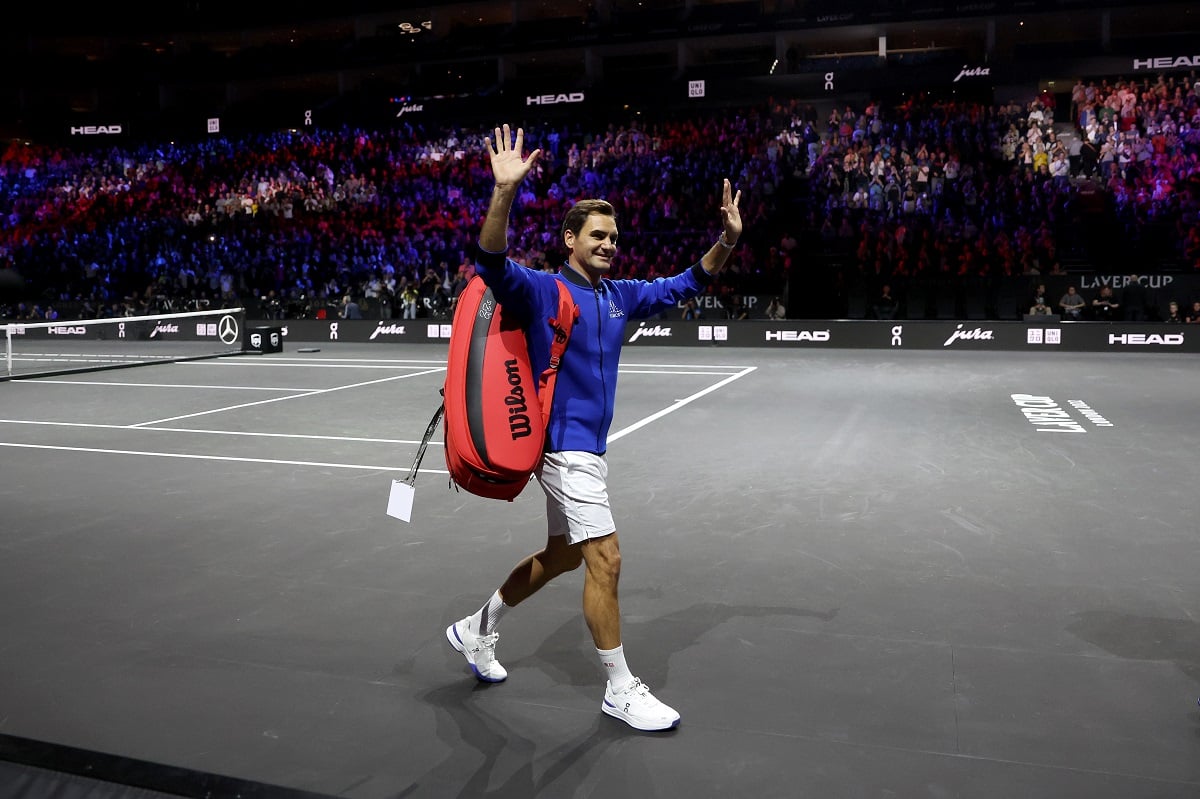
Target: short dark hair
580	211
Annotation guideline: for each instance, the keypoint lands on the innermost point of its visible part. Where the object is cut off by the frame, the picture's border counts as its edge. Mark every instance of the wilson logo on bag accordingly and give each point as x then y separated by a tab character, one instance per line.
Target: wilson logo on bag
496	410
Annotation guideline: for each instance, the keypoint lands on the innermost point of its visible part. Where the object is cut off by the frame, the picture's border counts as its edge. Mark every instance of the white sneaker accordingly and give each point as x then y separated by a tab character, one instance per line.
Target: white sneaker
637	707
479	650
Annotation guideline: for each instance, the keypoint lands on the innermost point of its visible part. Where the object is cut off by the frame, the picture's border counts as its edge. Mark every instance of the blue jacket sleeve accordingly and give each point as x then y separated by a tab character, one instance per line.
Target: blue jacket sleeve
513	285
643	299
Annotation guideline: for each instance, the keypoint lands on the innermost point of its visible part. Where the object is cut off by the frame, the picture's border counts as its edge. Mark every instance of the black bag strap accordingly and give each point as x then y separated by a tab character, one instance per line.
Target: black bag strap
411	479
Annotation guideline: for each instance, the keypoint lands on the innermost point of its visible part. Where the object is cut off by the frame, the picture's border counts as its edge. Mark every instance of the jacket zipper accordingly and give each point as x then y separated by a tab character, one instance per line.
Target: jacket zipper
600	447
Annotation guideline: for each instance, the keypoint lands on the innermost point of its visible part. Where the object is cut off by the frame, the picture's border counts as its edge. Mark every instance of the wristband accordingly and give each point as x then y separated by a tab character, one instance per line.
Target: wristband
721	240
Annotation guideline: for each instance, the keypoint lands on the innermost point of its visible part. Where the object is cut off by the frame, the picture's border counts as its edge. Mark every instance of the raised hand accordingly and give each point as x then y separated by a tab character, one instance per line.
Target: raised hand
508	166
731	216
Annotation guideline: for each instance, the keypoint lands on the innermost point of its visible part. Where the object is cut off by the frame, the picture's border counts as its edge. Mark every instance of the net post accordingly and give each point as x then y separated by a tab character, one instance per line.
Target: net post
8	348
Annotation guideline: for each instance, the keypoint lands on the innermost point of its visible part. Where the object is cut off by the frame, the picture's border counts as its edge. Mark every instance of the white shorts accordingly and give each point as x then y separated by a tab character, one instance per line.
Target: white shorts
576	486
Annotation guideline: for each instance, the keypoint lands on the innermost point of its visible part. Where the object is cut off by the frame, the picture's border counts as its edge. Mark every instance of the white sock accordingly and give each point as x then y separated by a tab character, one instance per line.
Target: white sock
488	616
613	661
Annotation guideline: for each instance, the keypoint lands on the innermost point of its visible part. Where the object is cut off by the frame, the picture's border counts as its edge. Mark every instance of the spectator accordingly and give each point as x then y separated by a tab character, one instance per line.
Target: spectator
1072	305
886	305
1193	315
1105	307
1039	296
1173	316
1133	298
350	309
409	297
1040	308
776	310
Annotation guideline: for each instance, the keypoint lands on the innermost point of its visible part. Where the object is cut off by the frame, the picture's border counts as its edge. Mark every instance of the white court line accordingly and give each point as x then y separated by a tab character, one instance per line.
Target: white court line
688	366
141	426
364	363
235	433
292	397
41	382
311	361
188	456
305	364
678	404
651	369
653	372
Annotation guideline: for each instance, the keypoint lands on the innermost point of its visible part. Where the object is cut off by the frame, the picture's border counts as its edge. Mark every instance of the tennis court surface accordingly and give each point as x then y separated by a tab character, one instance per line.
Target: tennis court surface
854	573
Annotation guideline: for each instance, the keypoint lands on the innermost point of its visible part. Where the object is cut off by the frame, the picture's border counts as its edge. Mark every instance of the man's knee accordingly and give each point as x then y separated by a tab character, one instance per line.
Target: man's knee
603	557
561	557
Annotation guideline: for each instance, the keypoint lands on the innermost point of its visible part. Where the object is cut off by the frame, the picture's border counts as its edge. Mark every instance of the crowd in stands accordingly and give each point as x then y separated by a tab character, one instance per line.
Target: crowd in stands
288	224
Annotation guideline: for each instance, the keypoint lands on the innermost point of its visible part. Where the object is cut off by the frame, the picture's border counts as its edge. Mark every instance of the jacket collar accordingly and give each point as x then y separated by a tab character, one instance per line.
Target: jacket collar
574	277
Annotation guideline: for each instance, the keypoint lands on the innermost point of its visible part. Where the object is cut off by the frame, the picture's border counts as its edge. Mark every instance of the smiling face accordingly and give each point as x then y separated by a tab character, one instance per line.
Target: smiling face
593	248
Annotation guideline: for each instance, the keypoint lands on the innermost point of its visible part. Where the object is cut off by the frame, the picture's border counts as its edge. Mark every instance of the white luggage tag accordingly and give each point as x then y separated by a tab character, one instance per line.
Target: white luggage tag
400	500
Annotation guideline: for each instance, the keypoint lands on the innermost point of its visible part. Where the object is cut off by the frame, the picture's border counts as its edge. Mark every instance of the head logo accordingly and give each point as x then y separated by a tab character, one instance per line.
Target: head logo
797	335
1179	62
554	99
1146	339
227	329
658	331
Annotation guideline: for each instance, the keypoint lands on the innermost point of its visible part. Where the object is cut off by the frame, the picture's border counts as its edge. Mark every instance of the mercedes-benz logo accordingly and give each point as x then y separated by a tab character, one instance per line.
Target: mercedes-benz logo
228	329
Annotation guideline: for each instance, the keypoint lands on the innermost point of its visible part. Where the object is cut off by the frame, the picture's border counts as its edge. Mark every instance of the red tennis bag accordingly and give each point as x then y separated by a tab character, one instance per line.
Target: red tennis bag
496	410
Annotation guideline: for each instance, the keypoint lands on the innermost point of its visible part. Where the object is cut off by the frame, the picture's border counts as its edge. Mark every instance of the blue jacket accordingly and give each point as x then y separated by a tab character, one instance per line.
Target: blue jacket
587	377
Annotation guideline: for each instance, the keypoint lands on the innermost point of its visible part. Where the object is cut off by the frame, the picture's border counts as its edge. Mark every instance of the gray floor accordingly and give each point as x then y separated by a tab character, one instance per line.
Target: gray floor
856	574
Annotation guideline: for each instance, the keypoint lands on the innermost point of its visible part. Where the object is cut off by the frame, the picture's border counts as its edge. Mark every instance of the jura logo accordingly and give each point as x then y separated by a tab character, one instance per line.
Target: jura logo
1142	339
387	330
410	108
1178	62
163	328
95	130
797	335
978	334
518	410
977	72
554	99
658	331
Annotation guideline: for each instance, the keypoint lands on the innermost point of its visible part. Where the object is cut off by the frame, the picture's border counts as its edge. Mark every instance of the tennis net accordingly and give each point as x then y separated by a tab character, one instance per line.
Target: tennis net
38	349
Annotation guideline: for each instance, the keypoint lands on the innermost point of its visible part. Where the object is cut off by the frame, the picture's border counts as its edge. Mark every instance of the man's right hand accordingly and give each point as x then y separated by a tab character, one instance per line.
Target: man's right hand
508	167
